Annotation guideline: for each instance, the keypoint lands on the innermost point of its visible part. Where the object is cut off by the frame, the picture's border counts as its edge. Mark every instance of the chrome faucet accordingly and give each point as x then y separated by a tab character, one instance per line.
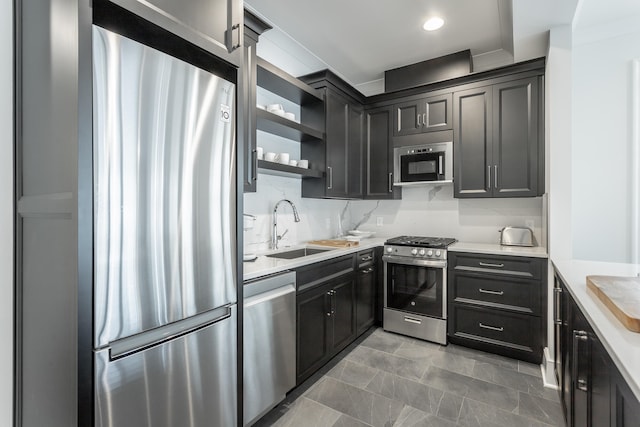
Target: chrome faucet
274	237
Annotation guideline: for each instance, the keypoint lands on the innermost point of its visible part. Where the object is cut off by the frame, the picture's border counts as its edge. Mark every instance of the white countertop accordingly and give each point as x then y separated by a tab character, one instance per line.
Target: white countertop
497	249
622	344
264	265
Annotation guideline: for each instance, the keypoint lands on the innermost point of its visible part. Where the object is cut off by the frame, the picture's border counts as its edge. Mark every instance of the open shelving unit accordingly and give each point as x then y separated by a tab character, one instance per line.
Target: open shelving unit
311	129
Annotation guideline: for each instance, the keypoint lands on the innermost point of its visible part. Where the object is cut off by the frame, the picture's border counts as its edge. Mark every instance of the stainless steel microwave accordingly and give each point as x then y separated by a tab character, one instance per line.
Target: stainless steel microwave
420	164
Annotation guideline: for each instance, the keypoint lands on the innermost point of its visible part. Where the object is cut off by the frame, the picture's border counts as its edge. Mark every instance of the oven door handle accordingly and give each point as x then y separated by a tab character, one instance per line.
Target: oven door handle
394	259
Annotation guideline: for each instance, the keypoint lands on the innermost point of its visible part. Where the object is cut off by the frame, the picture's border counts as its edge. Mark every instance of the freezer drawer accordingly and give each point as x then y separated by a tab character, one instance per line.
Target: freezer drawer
187	381
269	343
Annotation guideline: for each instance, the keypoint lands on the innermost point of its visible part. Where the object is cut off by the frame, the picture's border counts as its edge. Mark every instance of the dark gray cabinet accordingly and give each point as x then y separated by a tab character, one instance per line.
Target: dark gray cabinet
365	290
496	132
428	114
592	390
497	304
326	312
378	170
214	25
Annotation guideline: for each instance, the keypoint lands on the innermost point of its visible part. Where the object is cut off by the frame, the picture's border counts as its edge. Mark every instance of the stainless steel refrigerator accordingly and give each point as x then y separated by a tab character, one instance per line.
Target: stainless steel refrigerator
165	309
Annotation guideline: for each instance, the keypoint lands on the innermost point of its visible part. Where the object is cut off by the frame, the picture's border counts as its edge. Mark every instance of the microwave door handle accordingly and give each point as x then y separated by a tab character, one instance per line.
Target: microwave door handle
440	172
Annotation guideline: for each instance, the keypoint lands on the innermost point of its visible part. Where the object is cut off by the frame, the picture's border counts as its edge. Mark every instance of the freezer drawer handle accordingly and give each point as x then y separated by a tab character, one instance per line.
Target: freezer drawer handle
412	320
152	338
493	328
486	291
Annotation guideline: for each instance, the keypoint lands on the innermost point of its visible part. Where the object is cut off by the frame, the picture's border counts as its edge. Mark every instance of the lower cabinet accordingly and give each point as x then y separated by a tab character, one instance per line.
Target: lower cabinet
365	291
592	390
497	304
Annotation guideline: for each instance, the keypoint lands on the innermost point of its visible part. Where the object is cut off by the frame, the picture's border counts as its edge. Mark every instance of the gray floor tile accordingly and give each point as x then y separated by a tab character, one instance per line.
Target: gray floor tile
513	379
541	409
450	406
347	421
363	405
386	341
464	386
481	356
353	373
478	414
409	392
529	368
412	417
306	412
388	362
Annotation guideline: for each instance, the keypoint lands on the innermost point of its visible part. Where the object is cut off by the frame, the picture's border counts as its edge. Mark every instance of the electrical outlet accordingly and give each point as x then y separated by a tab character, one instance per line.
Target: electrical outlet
379	221
529	224
327	223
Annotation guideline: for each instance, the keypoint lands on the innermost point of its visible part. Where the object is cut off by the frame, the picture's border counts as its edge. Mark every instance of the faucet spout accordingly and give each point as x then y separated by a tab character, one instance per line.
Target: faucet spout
274	236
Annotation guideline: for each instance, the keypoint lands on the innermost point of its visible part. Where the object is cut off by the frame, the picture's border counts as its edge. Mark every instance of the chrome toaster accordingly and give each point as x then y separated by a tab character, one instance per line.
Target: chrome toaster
516	236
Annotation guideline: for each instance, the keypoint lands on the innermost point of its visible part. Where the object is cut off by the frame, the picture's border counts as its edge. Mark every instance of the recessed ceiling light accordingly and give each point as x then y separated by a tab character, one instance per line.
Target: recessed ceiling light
433	24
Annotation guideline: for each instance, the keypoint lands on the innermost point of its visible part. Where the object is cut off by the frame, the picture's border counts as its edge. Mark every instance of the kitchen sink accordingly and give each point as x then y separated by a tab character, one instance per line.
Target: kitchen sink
297	253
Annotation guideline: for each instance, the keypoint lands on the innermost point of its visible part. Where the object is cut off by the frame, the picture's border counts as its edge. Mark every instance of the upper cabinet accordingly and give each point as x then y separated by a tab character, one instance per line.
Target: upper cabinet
378	173
428	114
342	154
214	25
497	146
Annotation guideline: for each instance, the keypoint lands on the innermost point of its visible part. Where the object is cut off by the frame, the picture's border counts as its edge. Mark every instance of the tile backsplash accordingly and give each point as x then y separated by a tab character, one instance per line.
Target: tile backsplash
428	211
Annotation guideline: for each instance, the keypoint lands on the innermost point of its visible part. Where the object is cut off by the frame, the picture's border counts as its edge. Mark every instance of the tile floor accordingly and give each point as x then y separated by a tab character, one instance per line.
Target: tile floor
384	379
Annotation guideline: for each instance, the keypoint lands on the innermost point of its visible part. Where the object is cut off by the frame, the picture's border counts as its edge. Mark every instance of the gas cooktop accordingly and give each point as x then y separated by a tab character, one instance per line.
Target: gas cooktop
423	242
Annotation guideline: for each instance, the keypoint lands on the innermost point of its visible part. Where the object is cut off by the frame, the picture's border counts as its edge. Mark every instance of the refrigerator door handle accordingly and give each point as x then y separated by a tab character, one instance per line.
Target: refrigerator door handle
145	340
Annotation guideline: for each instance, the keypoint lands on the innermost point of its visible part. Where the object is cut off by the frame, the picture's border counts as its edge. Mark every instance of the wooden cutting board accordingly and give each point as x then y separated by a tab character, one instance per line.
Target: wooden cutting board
621	295
336	243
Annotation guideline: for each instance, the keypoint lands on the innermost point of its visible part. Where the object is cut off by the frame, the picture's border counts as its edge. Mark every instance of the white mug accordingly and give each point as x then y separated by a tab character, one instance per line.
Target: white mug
272	108
293	163
303	164
270	157
260	153
283	158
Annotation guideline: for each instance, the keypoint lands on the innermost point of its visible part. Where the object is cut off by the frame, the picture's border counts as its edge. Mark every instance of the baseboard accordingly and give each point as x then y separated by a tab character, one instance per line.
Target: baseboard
548	370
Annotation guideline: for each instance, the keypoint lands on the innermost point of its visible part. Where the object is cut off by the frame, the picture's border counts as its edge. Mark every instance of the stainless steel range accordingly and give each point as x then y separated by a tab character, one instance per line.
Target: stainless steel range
415	287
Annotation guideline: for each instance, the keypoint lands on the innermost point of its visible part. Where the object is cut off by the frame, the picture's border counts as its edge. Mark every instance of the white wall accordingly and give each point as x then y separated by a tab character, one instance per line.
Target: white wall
603	160
6	213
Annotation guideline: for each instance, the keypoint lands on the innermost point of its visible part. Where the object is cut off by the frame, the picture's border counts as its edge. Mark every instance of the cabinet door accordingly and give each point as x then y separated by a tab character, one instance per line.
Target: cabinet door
215	25
379	156
337	113
355	151
600	388
365	298
625	407
437	113
472	136
515	138
407	118
344	322
313	330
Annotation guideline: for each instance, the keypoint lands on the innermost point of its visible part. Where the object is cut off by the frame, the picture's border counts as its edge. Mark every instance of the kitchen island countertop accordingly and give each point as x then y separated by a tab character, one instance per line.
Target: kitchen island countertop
622	345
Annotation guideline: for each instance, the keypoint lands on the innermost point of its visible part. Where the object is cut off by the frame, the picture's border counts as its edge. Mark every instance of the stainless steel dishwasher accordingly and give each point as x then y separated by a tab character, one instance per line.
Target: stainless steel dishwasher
269	343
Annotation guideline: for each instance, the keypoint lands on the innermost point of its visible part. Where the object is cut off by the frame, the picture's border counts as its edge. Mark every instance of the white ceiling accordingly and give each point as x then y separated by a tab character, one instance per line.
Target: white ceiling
360	39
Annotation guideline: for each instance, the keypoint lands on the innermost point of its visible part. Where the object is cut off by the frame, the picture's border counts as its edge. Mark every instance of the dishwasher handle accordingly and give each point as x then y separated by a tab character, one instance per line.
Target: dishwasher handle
269	295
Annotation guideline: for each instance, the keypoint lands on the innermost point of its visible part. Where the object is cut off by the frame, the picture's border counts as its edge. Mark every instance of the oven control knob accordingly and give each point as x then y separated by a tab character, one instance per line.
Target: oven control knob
414	251
438	253
389	250
421	252
430	253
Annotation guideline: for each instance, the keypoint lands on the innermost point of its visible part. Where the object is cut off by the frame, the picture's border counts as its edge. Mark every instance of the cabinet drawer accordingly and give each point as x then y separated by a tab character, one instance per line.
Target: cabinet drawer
364	258
526	268
510	330
506	293
309	276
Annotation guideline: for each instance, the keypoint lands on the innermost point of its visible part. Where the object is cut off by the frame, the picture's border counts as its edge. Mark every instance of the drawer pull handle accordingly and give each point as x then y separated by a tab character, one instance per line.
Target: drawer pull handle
493	328
366	258
485	291
413	320
488	264
367	270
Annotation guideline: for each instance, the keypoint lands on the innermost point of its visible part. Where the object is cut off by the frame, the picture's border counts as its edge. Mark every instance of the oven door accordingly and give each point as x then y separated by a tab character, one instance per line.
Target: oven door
422	167
415	285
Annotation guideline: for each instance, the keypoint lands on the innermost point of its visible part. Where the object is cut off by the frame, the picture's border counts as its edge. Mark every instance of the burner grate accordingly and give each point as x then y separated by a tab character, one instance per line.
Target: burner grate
420	241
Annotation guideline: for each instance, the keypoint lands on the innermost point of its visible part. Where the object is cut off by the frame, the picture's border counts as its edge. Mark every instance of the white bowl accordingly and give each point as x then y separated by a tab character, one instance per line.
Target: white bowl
353	238
361	234
290	116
